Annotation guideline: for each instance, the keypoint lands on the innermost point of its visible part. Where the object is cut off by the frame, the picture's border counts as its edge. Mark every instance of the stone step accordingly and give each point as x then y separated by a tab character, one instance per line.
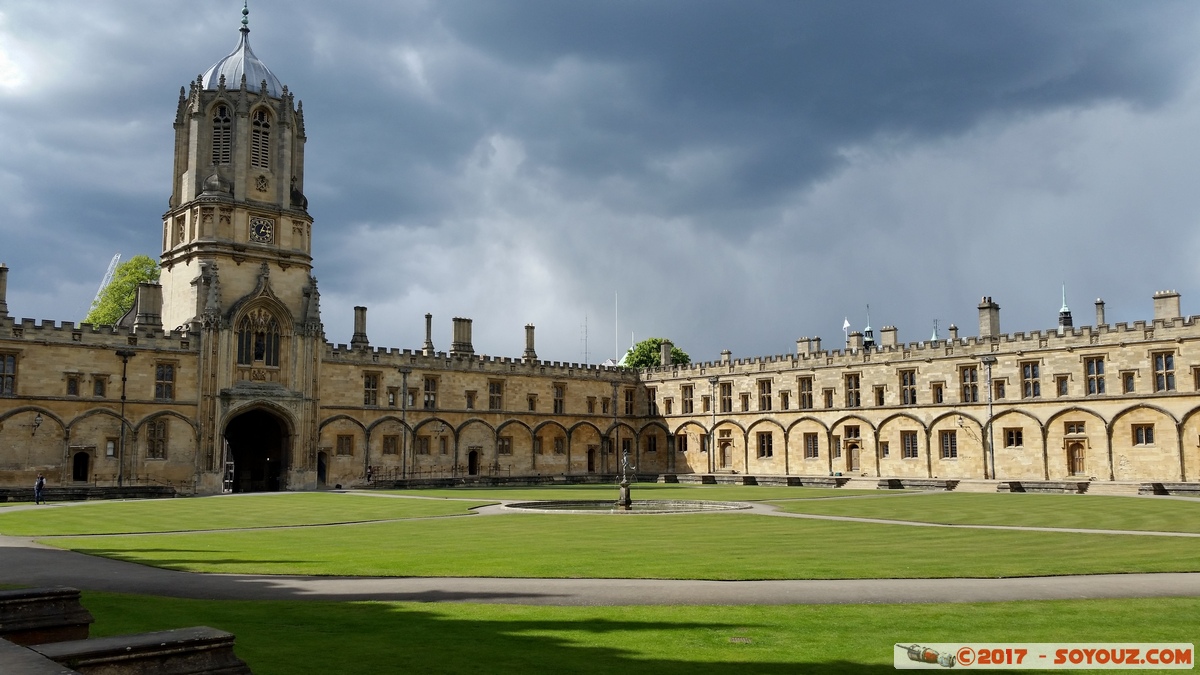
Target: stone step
860	483
1113	488
976	486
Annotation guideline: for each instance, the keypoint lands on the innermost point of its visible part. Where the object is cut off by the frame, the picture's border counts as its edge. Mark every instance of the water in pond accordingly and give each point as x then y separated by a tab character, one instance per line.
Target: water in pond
639	506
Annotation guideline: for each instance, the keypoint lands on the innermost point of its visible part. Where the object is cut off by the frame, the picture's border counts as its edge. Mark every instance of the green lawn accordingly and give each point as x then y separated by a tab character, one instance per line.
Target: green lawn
302	637
1030	510
220	513
707	546
720	493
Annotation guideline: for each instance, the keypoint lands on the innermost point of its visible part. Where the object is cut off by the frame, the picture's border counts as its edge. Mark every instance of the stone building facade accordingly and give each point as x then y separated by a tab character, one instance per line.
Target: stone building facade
221	378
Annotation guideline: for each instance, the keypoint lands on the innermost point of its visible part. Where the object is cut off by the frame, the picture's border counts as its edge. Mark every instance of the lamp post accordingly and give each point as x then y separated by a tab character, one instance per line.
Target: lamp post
404	371
712	432
125	355
991	441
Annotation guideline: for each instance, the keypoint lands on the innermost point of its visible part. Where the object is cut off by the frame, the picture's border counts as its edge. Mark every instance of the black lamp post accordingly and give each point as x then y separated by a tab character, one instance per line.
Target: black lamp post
404	371
988	361
125	355
712	434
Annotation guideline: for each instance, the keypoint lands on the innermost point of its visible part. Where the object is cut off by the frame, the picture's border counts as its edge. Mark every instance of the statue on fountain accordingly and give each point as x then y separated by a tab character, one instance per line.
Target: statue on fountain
624	501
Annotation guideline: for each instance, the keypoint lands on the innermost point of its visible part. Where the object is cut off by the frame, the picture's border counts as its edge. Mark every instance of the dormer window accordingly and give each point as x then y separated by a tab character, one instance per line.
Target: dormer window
260	139
222	135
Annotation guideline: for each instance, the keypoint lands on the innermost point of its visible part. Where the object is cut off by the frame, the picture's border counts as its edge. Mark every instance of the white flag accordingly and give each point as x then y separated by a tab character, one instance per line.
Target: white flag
846	325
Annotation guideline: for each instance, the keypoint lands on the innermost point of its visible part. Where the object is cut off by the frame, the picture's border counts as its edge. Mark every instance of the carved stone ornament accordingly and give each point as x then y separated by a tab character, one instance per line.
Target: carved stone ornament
261	183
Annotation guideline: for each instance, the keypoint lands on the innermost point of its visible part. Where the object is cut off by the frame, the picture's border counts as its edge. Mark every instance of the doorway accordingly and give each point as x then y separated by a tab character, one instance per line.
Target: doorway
591	459
259	447
852	458
80	467
473	463
1076	459
322	468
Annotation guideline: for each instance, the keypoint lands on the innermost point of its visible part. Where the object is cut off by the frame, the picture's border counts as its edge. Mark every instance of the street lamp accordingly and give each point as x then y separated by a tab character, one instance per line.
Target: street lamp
37	422
125	355
404	371
991	441
712	433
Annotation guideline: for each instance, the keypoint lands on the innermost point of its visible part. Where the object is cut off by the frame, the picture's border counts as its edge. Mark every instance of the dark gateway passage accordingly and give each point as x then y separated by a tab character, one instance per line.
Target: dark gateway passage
257	442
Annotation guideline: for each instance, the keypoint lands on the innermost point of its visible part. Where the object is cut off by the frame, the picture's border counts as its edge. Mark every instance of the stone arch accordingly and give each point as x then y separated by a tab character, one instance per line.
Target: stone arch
584	444
1145	444
809	436
851	445
341	418
1094	444
892	438
34	449
1022	457
766	454
1189	443
259	439
386	419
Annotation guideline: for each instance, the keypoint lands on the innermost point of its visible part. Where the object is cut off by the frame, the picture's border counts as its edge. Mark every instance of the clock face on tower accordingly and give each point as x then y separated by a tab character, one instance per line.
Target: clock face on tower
262	230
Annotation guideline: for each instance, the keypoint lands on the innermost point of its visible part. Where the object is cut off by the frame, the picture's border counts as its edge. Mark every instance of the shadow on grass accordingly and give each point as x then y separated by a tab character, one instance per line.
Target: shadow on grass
310	637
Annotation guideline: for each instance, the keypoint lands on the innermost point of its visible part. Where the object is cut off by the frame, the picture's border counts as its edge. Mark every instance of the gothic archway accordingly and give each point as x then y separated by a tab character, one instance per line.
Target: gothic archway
258	445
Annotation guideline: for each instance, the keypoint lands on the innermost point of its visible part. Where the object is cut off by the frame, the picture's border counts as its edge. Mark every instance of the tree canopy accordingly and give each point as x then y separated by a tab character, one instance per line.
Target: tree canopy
645	354
118	296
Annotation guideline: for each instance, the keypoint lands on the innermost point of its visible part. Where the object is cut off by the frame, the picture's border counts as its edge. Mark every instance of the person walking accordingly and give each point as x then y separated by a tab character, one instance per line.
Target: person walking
38	486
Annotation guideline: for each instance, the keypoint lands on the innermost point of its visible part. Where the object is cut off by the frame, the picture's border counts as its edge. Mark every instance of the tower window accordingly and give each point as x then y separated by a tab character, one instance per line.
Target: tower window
222	135
260	140
258	339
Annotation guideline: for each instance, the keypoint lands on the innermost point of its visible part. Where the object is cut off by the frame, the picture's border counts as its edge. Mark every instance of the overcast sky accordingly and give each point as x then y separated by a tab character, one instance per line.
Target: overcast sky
738	173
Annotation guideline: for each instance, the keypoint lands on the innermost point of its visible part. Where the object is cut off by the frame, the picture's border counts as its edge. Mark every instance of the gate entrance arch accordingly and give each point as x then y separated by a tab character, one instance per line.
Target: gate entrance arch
258	445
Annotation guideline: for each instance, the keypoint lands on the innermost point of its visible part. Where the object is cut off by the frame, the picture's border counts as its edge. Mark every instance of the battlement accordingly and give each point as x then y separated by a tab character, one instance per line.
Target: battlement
48	331
499	365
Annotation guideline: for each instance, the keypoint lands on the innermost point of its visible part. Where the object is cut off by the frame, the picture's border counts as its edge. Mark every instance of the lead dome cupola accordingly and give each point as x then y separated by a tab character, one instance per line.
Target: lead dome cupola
242	61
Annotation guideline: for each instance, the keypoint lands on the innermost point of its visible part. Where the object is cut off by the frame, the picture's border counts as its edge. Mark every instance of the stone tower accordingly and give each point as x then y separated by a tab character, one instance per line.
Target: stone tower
237	268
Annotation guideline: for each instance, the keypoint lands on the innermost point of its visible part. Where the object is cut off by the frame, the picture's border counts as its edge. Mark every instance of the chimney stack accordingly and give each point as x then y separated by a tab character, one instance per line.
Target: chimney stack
149	307
3	291
461	345
814	346
989	318
726	355
1166	305
359	339
664	353
427	348
953	333
887	336
530	353
854	341
1099	312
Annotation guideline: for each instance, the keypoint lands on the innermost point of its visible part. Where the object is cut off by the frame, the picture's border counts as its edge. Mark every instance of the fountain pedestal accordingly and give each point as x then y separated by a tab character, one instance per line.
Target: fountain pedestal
624	501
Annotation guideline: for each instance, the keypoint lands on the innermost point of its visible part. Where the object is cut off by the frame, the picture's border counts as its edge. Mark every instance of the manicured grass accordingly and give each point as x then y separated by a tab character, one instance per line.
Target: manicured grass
720	493
1029	510
708	546
302	637
219	513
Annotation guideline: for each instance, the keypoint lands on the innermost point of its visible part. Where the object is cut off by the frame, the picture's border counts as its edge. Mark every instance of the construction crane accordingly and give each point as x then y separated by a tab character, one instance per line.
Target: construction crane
112	267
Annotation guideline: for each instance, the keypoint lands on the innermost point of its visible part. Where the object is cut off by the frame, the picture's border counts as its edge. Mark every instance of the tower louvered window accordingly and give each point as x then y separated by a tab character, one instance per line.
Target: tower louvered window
260	140
222	135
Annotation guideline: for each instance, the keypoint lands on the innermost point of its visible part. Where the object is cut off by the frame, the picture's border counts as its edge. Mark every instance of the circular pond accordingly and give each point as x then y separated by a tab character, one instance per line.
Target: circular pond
639	506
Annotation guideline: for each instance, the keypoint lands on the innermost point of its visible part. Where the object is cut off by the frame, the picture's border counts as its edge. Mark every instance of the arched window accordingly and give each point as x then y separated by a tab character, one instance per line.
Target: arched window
156	439
222	135
258	339
260	140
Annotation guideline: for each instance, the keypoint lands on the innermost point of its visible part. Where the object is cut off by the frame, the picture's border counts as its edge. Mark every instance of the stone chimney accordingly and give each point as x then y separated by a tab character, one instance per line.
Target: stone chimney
953	333
427	348
814	346
1099	312
989	318
461	344
149	307
359	339
726	355
3	290
854	341
887	336
530	352
664	353
1166	305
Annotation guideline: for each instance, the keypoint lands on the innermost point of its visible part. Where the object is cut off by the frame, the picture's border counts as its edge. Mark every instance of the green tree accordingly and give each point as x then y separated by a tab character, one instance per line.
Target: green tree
645	354
117	297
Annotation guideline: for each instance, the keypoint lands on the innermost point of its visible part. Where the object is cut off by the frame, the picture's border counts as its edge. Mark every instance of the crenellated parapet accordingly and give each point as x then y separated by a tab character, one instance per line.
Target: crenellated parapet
47	332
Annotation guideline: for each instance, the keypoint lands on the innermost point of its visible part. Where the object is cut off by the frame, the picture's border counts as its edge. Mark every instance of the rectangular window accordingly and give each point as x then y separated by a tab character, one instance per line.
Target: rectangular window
99	385
422	445
1014	438
412	398
156	439
370	389
560	446
706	403
811	447
997	390
1093	367
949	441
537	445
828	394
1143	434
628	402
110	447
745	399
392	394
531	402
969	377
726	397
939	392
1164	371
1031	384
560	399
1073	428
164	381
591	405
879	395
652	401
908	442
1061	385
668	406
764	394
431	393
495	395
851	431
604	406
805	388
765	442
443	445
837	447
72	385
681	443
908	387
785	400
652	443
470	400
391	445
1127	382
883	449
685	399
853	397
345	445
